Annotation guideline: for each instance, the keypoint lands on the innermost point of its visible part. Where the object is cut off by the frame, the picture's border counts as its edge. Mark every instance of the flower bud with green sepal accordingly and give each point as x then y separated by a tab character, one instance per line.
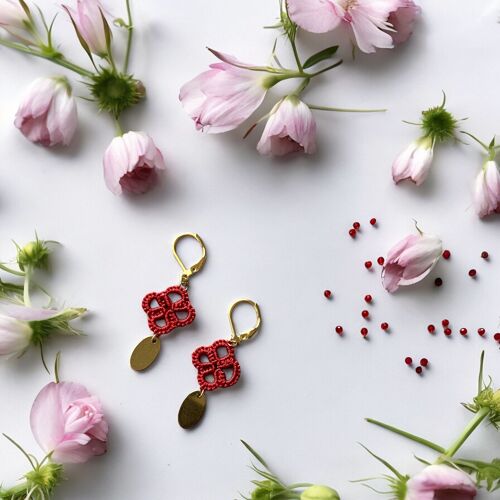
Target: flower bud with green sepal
34	255
438	123
319	492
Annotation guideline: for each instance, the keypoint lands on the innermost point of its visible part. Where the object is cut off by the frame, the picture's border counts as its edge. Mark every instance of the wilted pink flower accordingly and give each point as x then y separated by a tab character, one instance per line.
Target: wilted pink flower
13	18
67	421
290	127
366	20
88	21
441	482
487	191
131	163
414	162
223	97
47	114
410	261
403	20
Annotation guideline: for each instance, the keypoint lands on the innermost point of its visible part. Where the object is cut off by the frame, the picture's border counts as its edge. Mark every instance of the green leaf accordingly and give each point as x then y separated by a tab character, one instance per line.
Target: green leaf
488	472
254	453
321	56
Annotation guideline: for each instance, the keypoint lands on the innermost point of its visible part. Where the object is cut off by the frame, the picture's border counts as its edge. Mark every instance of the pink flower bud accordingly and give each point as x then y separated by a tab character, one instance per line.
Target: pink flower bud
13	18
15	336
410	261
67	421
403	20
131	163
414	162
290	127
47	114
223	97
487	190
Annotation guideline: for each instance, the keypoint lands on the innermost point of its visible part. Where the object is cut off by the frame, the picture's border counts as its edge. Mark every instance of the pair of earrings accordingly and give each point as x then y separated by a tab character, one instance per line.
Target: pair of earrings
216	364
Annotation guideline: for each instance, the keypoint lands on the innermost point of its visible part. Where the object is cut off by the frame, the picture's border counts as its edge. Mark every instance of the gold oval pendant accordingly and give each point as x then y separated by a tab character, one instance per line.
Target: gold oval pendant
145	354
192	409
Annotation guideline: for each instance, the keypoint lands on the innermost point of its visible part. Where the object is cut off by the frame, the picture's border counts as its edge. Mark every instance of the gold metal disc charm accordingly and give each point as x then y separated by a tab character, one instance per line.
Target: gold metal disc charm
145	354
192	409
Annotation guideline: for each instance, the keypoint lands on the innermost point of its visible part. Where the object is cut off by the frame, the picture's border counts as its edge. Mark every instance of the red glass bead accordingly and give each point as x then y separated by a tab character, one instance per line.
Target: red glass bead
339	330
481	331
431	328
327	293
497	337
484	255
368	264
373	221
438	281
381	261
424	362
384	326
445	322
408	360
352	233
446	254
364	332
463	331
365	313
419	370
472	273
356	225
447	331
368	298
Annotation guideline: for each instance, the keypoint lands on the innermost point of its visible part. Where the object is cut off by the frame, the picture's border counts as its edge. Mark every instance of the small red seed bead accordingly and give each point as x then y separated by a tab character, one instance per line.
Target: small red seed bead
472	273
445	322
408	360
365	313
384	326
339	329
373	221
447	331
368	298
352	233
368	264
484	255
424	362
356	225
463	331
431	328
364	332
481	331
497	337
327	293
438	282
419	370
446	254
381	261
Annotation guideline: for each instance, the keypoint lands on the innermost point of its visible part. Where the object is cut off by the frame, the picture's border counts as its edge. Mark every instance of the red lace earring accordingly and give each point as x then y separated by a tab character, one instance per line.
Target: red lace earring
167	310
217	368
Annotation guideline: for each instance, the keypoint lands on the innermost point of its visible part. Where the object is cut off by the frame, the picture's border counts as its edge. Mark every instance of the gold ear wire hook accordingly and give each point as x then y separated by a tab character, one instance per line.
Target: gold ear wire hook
236	338
187	272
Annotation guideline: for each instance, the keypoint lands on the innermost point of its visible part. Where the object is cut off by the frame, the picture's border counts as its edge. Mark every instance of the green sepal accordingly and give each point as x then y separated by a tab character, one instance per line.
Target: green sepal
485	472
321	56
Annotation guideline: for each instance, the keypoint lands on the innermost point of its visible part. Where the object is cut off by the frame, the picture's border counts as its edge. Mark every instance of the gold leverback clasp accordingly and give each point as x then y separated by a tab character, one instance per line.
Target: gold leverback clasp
187	272
236	338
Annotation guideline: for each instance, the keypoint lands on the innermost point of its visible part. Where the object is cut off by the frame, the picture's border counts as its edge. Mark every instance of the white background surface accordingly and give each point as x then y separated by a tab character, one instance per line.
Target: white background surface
276	232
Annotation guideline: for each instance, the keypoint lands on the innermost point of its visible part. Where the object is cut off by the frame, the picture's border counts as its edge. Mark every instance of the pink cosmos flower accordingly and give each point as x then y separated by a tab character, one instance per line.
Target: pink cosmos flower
223	97
414	162
290	127
403	20
13	18
47	114
487	190
131	163
410	260
441	482
67	421
366	20
88	21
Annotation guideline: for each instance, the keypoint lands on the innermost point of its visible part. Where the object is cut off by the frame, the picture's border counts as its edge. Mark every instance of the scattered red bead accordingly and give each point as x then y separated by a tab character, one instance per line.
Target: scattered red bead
373	221
364	332
463	331
472	273
438	282
446	254
368	298
419	370
424	362
365	313
445	322
484	255
384	326
497	337
381	261
431	328
356	225
368	264
327	293
447	332
481	331
339	330
408	360
352	233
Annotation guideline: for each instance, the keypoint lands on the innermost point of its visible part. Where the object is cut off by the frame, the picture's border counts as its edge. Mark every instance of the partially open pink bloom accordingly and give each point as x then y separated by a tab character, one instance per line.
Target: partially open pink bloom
487	190
47	114
88	20
366	20
131	163
403	20
441	482
410	261
13	18
67	421
223	97
414	162
290	128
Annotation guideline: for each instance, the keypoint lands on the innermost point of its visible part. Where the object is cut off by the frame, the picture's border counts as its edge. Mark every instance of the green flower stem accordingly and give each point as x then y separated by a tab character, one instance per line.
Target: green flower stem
305	82
412	437
324	70
61	61
296	53
346	110
26	292
130	29
471	427
11	271
118	127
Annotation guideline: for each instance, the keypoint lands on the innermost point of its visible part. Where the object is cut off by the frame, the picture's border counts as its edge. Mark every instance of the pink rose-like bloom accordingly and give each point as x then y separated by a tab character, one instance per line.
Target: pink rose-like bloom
487	190
410	261
67	421
88	20
47	114
290	128
414	162
12	17
403	20
223	97
441	482
131	163
366	20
